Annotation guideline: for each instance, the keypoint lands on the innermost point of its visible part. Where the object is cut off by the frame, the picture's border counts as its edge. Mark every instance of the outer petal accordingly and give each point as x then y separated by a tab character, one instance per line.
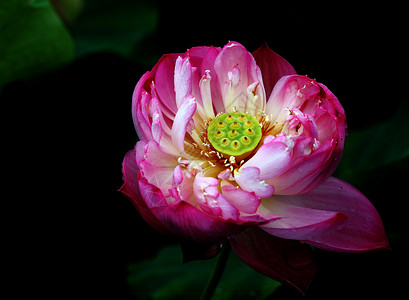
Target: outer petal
155	155
164	83
130	189
300	223
272	66
180	219
185	221
363	230
141	120
197	55
157	166
136	98
208	60
287	261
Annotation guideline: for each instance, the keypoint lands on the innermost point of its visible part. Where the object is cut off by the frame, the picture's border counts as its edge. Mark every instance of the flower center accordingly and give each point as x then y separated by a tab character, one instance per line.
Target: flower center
234	133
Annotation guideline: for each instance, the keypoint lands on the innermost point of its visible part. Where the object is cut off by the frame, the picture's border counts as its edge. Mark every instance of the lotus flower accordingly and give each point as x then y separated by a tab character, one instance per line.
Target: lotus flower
237	147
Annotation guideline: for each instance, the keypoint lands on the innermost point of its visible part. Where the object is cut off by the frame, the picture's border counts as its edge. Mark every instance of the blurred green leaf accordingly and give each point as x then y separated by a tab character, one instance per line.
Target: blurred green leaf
120	26
376	148
165	277
33	39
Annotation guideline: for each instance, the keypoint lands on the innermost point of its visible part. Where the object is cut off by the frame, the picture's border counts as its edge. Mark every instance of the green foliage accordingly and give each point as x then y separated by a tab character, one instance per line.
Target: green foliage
33	39
368	152
121	26
165	277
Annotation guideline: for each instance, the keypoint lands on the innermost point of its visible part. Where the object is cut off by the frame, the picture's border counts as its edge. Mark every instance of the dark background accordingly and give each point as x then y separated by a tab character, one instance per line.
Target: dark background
73	126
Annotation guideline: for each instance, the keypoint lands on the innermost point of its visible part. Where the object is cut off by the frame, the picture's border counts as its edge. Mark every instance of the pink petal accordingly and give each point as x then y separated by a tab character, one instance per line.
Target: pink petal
200	185
208	60
228	211
182	80
180	124
256	96
363	230
157	166
196	92
226	175
287	261
156	155
156	127
308	123
136	97
130	189
140	151
272	66
181	219
158	176
142	123
155	106
164	83
211	200
244	201
338	109
177	176
254	219
176	182
305	172
299	223
187	222
271	159
206	95
290	92
208	65
236	70
197	55
161	132
248	179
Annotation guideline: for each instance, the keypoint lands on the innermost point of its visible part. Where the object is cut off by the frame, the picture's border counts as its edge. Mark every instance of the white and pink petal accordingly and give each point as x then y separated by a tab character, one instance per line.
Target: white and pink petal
244	201
182	80
180	125
271	159
211	201
236	70
249	180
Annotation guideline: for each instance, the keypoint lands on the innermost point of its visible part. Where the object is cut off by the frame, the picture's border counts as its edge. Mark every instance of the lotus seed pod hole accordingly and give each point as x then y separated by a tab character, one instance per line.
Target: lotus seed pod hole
234	134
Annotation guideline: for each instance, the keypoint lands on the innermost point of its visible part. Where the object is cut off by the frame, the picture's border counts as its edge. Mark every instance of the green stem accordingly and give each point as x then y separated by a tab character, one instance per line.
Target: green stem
217	273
